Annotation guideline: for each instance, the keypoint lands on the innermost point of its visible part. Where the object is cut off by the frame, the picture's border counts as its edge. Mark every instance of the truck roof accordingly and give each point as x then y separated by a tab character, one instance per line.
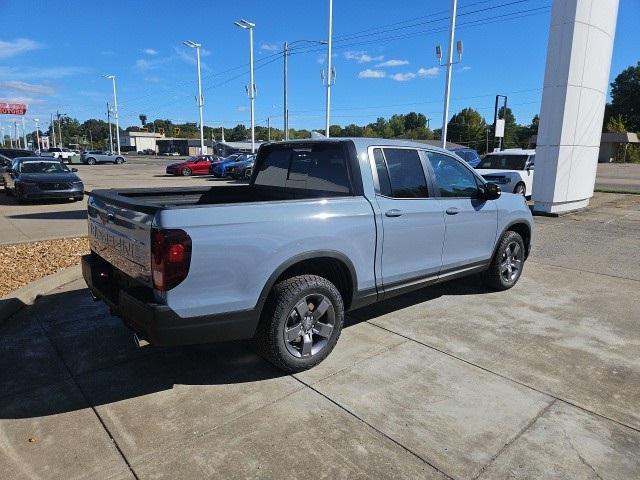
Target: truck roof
362	143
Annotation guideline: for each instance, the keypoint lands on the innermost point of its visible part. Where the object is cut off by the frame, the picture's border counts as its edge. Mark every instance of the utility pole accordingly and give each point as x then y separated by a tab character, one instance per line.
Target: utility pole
200	98
115	109
90	139
24	133
109	121
269	129
36	120
330	74
53	131
222	133
60	115
286	93
15	134
449	65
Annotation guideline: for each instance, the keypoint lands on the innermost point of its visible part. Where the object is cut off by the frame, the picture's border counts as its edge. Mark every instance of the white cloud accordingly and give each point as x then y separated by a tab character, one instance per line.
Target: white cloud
362	57
17	46
429	72
27	88
23	99
369	73
403	77
150	51
243	108
24	73
152	79
465	68
190	57
393	63
269	47
143	65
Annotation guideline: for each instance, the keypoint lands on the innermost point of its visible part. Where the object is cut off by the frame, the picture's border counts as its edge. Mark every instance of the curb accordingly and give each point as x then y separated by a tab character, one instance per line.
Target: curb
23	296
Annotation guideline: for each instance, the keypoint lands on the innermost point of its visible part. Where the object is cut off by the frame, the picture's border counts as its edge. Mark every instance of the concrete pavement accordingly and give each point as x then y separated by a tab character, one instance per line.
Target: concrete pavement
542	381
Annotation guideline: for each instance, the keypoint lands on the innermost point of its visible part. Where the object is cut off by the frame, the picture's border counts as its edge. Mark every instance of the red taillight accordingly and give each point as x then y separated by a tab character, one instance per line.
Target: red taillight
170	258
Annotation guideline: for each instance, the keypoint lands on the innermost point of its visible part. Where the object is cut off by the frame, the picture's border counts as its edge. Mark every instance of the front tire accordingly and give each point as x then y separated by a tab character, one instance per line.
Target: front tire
118	161
301	323
91	161
507	263
186	172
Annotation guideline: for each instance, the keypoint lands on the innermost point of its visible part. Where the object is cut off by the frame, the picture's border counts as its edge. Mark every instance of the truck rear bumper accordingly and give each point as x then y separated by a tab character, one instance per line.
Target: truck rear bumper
159	324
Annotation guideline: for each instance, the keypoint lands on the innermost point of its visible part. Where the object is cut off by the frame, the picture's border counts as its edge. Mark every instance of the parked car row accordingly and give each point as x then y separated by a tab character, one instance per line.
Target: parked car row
235	166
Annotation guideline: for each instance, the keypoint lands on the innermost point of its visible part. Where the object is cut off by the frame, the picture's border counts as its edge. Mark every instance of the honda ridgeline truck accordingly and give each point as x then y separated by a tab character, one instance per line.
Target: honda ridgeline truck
325	225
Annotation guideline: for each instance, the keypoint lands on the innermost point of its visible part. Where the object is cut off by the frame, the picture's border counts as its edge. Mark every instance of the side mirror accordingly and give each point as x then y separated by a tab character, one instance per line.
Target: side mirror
74	169
490	191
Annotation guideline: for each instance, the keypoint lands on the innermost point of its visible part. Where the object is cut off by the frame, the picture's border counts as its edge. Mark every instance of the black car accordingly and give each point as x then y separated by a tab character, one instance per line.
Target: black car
30	178
17	152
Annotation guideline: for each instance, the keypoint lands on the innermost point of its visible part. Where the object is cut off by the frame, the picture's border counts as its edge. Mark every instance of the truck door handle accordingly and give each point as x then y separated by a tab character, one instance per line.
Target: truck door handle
452	211
394	212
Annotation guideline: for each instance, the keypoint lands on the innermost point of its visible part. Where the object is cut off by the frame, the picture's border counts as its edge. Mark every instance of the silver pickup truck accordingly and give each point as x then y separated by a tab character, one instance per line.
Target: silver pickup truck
323	227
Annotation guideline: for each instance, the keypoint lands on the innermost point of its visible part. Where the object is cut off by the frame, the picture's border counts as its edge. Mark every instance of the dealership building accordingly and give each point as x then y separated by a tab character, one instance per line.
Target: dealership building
138	141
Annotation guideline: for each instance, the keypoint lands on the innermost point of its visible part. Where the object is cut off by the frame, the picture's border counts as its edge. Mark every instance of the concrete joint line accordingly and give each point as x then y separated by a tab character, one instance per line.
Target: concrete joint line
584	271
391	439
635	429
86	400
529	424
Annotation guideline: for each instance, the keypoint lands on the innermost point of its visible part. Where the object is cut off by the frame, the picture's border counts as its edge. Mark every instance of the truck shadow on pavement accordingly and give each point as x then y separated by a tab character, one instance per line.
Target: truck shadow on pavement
66	353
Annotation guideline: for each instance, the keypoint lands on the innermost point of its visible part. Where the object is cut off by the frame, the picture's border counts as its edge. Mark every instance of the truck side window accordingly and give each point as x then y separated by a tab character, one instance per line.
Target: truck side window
406	174
383	174
453	178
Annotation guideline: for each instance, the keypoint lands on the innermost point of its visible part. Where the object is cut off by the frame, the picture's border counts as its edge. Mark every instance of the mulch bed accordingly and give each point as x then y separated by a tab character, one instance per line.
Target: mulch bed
22	263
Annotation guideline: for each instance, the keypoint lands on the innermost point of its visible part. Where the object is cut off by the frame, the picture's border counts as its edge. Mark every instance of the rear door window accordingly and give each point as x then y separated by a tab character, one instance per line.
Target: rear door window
405	173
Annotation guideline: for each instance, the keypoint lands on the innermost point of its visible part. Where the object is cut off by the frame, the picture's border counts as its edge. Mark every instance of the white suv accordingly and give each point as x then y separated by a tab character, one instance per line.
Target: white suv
512	169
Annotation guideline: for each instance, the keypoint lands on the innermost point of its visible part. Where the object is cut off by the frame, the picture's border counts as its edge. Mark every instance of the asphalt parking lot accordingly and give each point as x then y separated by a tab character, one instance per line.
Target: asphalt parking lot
542	381
24	223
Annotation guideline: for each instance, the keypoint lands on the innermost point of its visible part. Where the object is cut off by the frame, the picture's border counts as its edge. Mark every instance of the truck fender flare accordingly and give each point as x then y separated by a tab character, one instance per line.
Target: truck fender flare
300	258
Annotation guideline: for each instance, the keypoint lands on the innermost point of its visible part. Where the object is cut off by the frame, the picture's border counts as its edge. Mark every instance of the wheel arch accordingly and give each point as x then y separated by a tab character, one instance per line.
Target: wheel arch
332	265
523	229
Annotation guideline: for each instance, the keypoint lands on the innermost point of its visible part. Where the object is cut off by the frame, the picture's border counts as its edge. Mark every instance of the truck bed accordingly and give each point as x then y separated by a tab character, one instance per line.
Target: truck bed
149	200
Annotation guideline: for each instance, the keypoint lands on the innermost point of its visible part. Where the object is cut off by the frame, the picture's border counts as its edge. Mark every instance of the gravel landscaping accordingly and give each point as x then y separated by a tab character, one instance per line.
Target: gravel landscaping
22	263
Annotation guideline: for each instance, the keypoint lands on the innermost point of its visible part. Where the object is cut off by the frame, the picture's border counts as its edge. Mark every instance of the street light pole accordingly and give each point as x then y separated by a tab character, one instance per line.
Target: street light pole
115	109
286	80
329	72
447	85
197	46
109	122
251	89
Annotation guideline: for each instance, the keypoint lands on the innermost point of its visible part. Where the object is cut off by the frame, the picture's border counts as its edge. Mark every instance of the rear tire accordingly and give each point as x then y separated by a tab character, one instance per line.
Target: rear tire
119	160
507	263
296	341
186	172
520	189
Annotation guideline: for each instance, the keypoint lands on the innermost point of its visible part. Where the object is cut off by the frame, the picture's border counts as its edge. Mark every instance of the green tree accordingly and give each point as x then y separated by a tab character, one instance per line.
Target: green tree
625	98
467	127
143	119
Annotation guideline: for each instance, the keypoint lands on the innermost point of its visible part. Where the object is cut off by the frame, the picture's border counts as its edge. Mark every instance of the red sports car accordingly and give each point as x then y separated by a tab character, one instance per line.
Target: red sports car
198	165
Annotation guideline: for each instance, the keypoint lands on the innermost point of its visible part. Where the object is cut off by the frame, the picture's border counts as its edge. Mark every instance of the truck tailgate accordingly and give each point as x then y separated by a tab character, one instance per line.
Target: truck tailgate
122	236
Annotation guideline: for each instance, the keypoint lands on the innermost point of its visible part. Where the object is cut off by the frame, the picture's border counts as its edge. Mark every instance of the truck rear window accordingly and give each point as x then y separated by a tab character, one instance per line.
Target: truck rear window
318	167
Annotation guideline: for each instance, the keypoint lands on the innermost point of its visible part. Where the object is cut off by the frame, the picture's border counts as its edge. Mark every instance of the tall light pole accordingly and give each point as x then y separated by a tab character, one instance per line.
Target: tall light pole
285	53
36	120
449	65
200	99
330	73
251	89
109	122
115	109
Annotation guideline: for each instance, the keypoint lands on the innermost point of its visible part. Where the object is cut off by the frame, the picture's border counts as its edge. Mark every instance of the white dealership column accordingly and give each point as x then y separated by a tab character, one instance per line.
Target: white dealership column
575	88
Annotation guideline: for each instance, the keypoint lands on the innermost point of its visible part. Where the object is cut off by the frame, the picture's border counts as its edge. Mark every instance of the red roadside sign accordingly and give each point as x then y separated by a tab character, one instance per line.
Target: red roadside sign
13	108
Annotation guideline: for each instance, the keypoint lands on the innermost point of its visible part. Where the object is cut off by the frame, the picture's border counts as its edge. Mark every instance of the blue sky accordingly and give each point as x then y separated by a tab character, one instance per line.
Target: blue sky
384	57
